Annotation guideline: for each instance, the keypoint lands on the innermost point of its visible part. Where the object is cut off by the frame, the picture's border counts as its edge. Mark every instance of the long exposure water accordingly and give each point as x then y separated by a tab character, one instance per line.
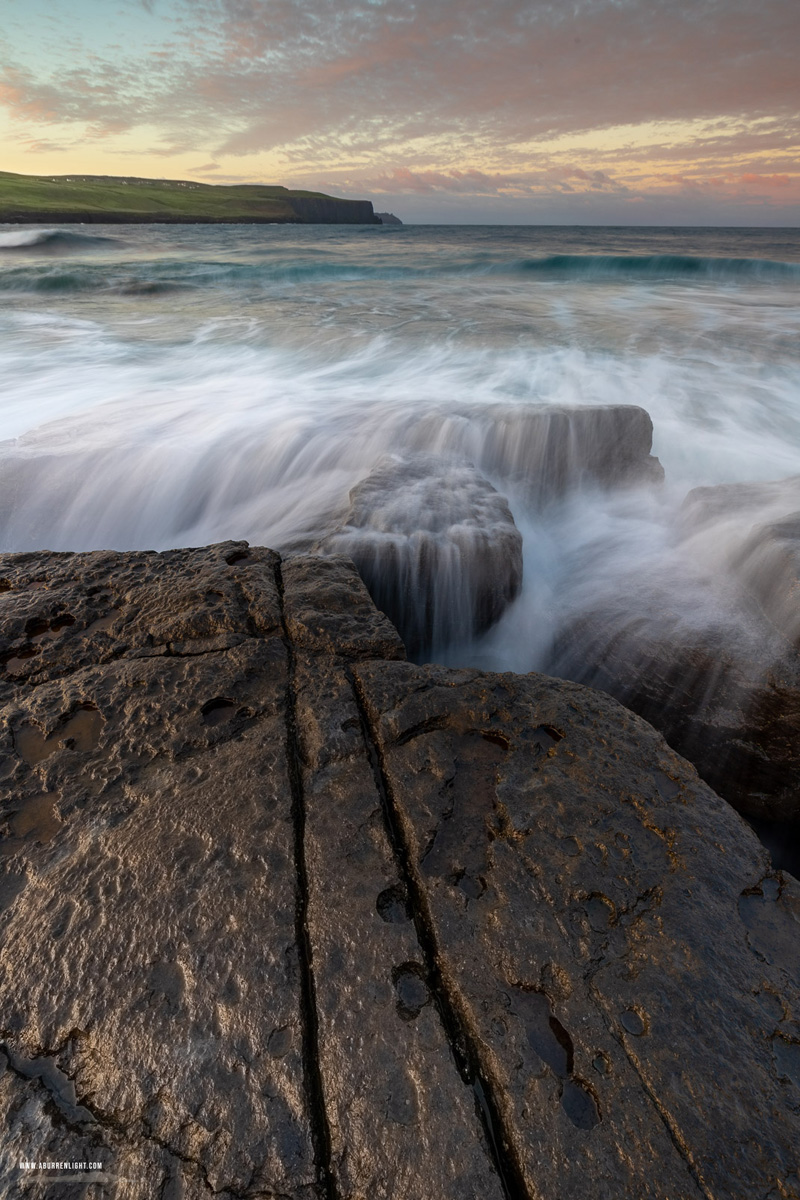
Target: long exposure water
170	386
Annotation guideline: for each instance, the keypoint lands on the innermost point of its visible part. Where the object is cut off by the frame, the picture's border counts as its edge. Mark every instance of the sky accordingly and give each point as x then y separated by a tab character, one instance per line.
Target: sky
632	112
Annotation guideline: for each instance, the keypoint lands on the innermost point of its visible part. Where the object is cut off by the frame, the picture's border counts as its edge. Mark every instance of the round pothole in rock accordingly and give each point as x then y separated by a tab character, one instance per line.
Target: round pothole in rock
412	990
600	911
392	905
280	1042
633	1022
602	1063
579	1104
218	711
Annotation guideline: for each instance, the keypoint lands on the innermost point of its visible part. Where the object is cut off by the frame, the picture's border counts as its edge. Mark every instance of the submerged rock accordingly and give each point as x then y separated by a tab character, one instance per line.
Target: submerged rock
724	689
545	451
731	708
436	546
283	914
758	526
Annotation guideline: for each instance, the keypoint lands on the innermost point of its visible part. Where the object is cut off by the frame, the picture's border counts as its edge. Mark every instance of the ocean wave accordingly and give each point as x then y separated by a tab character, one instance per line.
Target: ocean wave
100	282
50	240
657	267
281	271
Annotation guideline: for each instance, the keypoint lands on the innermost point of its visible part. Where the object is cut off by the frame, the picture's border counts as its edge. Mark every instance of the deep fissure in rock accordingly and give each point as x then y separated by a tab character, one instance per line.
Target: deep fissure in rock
463	1047
320	1128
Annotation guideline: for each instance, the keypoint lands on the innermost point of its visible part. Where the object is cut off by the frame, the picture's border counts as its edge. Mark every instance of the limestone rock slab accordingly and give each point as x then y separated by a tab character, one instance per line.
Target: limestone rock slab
587	899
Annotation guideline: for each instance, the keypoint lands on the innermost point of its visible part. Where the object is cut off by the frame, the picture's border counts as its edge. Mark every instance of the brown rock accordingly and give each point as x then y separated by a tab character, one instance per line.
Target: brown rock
277	920
589	904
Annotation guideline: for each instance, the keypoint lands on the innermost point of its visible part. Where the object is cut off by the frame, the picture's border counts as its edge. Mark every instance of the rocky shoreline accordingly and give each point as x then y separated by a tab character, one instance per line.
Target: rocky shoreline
286	915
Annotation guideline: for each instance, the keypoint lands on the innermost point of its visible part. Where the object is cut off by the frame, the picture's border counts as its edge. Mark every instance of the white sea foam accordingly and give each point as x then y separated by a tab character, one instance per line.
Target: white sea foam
250	414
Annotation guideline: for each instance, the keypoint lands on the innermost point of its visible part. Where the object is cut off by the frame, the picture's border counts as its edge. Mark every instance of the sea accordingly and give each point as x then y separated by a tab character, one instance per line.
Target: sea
168	385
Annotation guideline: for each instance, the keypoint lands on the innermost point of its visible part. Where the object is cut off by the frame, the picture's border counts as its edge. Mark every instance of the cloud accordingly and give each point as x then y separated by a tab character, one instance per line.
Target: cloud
269	72
511	99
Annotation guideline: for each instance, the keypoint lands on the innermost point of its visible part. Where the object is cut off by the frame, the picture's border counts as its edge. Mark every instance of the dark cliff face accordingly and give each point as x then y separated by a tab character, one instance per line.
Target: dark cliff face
316	210
304	210
283	914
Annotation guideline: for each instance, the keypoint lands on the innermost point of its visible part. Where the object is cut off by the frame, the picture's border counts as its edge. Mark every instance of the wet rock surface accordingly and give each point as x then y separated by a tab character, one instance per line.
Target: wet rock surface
284	915
564	890
436	546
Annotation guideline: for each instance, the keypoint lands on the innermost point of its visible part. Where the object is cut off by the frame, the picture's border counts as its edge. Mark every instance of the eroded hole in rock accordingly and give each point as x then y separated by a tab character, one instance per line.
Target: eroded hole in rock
82	729
633	1022
602	1063
552	1043
218	711
473	886
412	990
280	1041
579	1104
667	788
79	730
101	624
237	556
37	819
787	1058
600	911
5	585
40	629
545	736
393	905
499	739
17	662
546	1035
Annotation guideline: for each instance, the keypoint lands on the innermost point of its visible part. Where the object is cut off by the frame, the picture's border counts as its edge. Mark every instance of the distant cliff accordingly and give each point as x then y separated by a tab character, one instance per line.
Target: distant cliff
326	210
109	199
388	219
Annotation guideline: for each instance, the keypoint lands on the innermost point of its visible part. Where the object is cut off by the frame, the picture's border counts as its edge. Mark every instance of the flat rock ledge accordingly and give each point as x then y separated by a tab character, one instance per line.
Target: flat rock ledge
284	915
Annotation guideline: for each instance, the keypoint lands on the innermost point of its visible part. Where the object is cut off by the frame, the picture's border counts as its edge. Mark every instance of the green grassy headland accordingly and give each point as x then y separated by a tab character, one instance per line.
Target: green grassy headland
118	199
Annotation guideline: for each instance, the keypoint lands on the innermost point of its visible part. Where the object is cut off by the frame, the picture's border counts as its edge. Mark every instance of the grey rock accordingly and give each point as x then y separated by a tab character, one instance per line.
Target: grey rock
283	914
436	546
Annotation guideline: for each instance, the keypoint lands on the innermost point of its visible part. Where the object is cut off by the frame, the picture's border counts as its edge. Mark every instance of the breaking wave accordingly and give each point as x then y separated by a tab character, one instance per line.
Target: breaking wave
50	240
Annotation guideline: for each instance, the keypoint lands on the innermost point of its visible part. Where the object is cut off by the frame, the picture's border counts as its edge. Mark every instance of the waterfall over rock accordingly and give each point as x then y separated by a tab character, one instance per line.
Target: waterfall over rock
546	451
436	546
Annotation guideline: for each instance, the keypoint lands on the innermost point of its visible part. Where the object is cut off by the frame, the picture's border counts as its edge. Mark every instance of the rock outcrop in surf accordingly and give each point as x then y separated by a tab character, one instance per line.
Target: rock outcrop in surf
728	701
436	546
